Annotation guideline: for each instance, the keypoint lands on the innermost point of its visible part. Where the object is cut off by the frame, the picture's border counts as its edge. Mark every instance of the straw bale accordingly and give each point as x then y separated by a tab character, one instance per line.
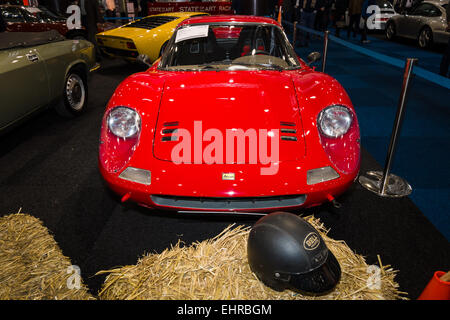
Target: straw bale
32	266
217	269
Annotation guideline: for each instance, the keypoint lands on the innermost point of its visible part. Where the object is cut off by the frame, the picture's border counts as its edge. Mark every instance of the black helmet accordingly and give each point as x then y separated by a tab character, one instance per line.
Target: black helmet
286	252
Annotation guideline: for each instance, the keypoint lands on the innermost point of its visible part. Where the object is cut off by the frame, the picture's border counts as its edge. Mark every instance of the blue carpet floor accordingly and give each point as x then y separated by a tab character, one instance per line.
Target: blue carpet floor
423	151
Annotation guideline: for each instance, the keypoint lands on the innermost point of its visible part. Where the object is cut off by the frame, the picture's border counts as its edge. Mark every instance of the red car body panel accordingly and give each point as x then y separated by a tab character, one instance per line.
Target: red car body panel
243	100
227	100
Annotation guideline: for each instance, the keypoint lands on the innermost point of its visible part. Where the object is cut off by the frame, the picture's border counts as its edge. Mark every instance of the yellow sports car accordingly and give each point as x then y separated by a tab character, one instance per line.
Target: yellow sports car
148	36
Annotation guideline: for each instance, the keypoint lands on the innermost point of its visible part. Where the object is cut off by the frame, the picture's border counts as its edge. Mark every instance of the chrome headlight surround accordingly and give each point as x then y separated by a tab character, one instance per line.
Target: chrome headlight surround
124	122
334	121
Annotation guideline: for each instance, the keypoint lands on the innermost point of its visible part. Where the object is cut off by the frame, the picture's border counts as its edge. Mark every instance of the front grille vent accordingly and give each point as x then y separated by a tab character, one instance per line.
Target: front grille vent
288	131
169	131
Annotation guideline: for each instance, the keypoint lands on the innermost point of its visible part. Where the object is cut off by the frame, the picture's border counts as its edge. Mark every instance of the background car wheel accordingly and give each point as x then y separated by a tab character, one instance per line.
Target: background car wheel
75	94
390	31
425	38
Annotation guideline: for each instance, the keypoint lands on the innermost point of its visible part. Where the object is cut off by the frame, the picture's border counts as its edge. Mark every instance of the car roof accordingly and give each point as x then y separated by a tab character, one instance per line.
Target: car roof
229	18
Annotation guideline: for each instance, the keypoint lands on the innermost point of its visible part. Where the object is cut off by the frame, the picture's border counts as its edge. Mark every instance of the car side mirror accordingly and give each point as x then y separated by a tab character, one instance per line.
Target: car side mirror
144	59
313	57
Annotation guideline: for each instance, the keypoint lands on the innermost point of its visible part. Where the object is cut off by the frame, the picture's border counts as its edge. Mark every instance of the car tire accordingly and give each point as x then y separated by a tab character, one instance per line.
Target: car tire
425	38
390	31
75	94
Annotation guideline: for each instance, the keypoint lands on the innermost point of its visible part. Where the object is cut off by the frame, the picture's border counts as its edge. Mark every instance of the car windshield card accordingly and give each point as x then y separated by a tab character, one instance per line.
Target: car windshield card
192	32
32	9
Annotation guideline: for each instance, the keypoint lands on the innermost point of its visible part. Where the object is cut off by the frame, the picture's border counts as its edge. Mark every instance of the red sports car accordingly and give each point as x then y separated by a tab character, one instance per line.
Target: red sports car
229	120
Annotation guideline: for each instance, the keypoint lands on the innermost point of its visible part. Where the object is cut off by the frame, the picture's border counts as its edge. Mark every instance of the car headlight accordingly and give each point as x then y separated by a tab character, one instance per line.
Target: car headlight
334	121
124	122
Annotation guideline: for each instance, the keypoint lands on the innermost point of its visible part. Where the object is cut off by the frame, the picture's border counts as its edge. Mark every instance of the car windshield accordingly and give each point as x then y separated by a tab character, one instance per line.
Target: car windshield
229	46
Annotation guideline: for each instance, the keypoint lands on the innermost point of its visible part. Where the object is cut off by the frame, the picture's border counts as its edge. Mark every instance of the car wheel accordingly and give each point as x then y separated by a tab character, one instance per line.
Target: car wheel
75	94
390	31
425	38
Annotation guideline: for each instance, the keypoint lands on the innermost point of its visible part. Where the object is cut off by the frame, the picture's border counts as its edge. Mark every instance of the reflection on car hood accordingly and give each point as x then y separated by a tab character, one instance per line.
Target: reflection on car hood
228	100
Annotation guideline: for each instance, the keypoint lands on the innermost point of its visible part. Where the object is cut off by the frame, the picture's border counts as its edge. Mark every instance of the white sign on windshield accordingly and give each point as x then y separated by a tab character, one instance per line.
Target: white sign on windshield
32	9
192	32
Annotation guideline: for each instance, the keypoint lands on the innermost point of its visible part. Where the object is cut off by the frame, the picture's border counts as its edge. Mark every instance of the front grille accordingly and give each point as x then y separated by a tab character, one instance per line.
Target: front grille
150	22
236	203
120	52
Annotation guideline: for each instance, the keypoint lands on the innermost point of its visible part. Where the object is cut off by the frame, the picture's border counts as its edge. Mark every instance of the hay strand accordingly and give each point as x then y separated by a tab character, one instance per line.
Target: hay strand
217	269
32	266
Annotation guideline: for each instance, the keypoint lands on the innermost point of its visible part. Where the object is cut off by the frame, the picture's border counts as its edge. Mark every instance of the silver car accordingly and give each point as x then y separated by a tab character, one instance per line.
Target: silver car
426	23
386	12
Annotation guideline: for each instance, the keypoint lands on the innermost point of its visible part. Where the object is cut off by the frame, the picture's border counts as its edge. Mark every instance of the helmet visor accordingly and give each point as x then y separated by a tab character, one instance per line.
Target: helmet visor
320	280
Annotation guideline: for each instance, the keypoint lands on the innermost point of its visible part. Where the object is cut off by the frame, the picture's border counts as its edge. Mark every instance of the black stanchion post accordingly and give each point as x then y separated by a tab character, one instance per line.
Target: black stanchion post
294	34
385	183
325	49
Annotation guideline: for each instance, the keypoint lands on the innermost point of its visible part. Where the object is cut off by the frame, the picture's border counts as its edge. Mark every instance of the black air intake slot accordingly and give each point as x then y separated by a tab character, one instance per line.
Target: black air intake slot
289	130
168	133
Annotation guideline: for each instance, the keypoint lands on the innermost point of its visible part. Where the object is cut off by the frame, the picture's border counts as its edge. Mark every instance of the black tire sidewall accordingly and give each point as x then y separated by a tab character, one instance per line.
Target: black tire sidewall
390	24
66	103
428	44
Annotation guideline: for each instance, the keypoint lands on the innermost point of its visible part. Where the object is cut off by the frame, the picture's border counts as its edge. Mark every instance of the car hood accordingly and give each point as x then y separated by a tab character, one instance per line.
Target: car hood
210	103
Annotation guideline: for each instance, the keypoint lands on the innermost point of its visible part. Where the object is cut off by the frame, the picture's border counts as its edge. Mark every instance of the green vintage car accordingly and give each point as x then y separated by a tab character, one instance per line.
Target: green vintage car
42	69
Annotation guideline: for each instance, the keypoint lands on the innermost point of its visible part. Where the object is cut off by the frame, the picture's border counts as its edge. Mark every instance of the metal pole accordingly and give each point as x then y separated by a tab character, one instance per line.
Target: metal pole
325	49
385	183
294	34
398	122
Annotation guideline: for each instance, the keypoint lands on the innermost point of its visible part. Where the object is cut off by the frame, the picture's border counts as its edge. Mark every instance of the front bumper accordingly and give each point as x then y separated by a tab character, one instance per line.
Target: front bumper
190	187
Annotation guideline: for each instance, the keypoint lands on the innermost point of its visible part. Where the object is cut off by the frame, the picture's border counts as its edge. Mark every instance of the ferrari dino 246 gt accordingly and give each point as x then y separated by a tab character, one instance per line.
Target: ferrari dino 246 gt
229	120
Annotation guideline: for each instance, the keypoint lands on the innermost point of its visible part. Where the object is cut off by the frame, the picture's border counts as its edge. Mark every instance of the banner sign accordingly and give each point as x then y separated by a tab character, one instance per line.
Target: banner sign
207	7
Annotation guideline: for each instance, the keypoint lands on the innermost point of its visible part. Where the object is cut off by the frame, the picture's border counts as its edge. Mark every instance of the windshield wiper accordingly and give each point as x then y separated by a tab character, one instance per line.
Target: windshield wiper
265	65
207	67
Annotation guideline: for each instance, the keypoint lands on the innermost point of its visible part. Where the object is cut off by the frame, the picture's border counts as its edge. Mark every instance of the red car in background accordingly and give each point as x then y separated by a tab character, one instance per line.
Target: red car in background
229	120
34	19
